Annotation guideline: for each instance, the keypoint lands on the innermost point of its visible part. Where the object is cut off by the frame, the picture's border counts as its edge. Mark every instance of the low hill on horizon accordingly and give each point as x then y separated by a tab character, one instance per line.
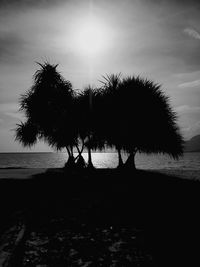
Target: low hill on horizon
193	145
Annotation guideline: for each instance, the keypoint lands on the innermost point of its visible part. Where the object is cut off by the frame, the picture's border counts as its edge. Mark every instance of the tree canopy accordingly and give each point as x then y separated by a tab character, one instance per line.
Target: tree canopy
131	114
48	106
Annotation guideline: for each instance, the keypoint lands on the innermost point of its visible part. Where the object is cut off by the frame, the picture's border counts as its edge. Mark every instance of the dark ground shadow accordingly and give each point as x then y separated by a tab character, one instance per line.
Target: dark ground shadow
103	218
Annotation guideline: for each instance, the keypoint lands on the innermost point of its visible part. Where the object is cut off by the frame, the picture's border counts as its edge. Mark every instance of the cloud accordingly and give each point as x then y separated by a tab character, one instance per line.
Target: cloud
28	3
8	106
15	115
187	109
192	130
10	46
11	110
192	33
189	84
196	127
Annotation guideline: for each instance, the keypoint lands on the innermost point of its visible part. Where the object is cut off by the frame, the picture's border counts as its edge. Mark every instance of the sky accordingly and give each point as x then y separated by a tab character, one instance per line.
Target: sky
156	39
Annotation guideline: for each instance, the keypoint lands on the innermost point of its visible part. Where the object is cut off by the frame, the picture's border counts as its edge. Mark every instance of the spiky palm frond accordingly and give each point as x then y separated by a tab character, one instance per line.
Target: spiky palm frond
111	82
148	109
49	105
137	114
89	117
61	136
47	74
27	134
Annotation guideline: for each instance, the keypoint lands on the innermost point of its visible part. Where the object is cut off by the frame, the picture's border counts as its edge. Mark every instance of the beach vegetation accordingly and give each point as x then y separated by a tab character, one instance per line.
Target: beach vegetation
130	114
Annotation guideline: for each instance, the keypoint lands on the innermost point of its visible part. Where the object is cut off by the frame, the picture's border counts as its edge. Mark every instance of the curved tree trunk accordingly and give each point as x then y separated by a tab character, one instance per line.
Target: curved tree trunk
70	162
80	161
130	162
80	151
68	151
120	161
72	152
90	164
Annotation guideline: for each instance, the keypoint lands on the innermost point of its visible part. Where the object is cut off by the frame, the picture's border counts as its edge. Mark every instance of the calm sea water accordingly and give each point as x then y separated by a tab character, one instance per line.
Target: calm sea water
190	161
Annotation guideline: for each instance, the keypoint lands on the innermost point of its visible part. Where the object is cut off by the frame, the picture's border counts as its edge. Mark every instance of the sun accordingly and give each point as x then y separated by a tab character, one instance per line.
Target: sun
90	37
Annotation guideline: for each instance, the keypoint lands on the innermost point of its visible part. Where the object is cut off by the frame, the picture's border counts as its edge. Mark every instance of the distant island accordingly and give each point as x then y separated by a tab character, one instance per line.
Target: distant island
193	145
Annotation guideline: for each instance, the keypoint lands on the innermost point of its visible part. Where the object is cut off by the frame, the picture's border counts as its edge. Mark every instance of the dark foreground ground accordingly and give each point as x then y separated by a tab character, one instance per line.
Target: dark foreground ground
100	218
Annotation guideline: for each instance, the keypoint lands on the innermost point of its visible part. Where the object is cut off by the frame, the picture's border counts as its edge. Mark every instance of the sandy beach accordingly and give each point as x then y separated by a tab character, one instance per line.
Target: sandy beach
185	174
19	173
103	217
27	173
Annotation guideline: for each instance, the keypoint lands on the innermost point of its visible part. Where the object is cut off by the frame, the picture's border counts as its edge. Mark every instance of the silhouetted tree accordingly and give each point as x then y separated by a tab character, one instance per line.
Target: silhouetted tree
131	114
48	107
27	133
87	120
147	119
112	114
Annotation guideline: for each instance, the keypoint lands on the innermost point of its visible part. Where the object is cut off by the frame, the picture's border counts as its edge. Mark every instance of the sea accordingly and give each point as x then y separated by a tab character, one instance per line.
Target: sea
189	161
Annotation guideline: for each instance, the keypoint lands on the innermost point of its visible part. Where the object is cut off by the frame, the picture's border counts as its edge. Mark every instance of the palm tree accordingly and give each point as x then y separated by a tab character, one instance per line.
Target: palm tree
113	114
131	114
48	106
138	118
27	133
85	119
149	122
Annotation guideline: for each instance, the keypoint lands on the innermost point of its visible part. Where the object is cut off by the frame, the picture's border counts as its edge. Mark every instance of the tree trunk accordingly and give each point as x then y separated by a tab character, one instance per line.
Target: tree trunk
68	151
72	152
80	162
79	151
130	162
120	161
70	162
90	165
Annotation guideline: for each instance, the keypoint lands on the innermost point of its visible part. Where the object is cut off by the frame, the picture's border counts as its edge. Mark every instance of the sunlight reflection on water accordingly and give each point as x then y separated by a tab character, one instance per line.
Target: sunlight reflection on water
100	160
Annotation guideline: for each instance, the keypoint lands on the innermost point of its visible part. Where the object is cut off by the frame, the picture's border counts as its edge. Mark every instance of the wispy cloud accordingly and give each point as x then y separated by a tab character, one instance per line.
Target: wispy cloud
187	109
189	84
11	45
11	110
9	106
192	33
192	130
28	3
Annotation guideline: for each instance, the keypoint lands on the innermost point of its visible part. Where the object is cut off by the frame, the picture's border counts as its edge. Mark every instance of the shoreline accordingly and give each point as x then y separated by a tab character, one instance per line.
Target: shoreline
27	173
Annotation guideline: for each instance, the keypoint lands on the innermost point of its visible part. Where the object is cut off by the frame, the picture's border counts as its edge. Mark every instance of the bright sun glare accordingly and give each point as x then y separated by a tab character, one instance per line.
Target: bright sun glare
90	37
